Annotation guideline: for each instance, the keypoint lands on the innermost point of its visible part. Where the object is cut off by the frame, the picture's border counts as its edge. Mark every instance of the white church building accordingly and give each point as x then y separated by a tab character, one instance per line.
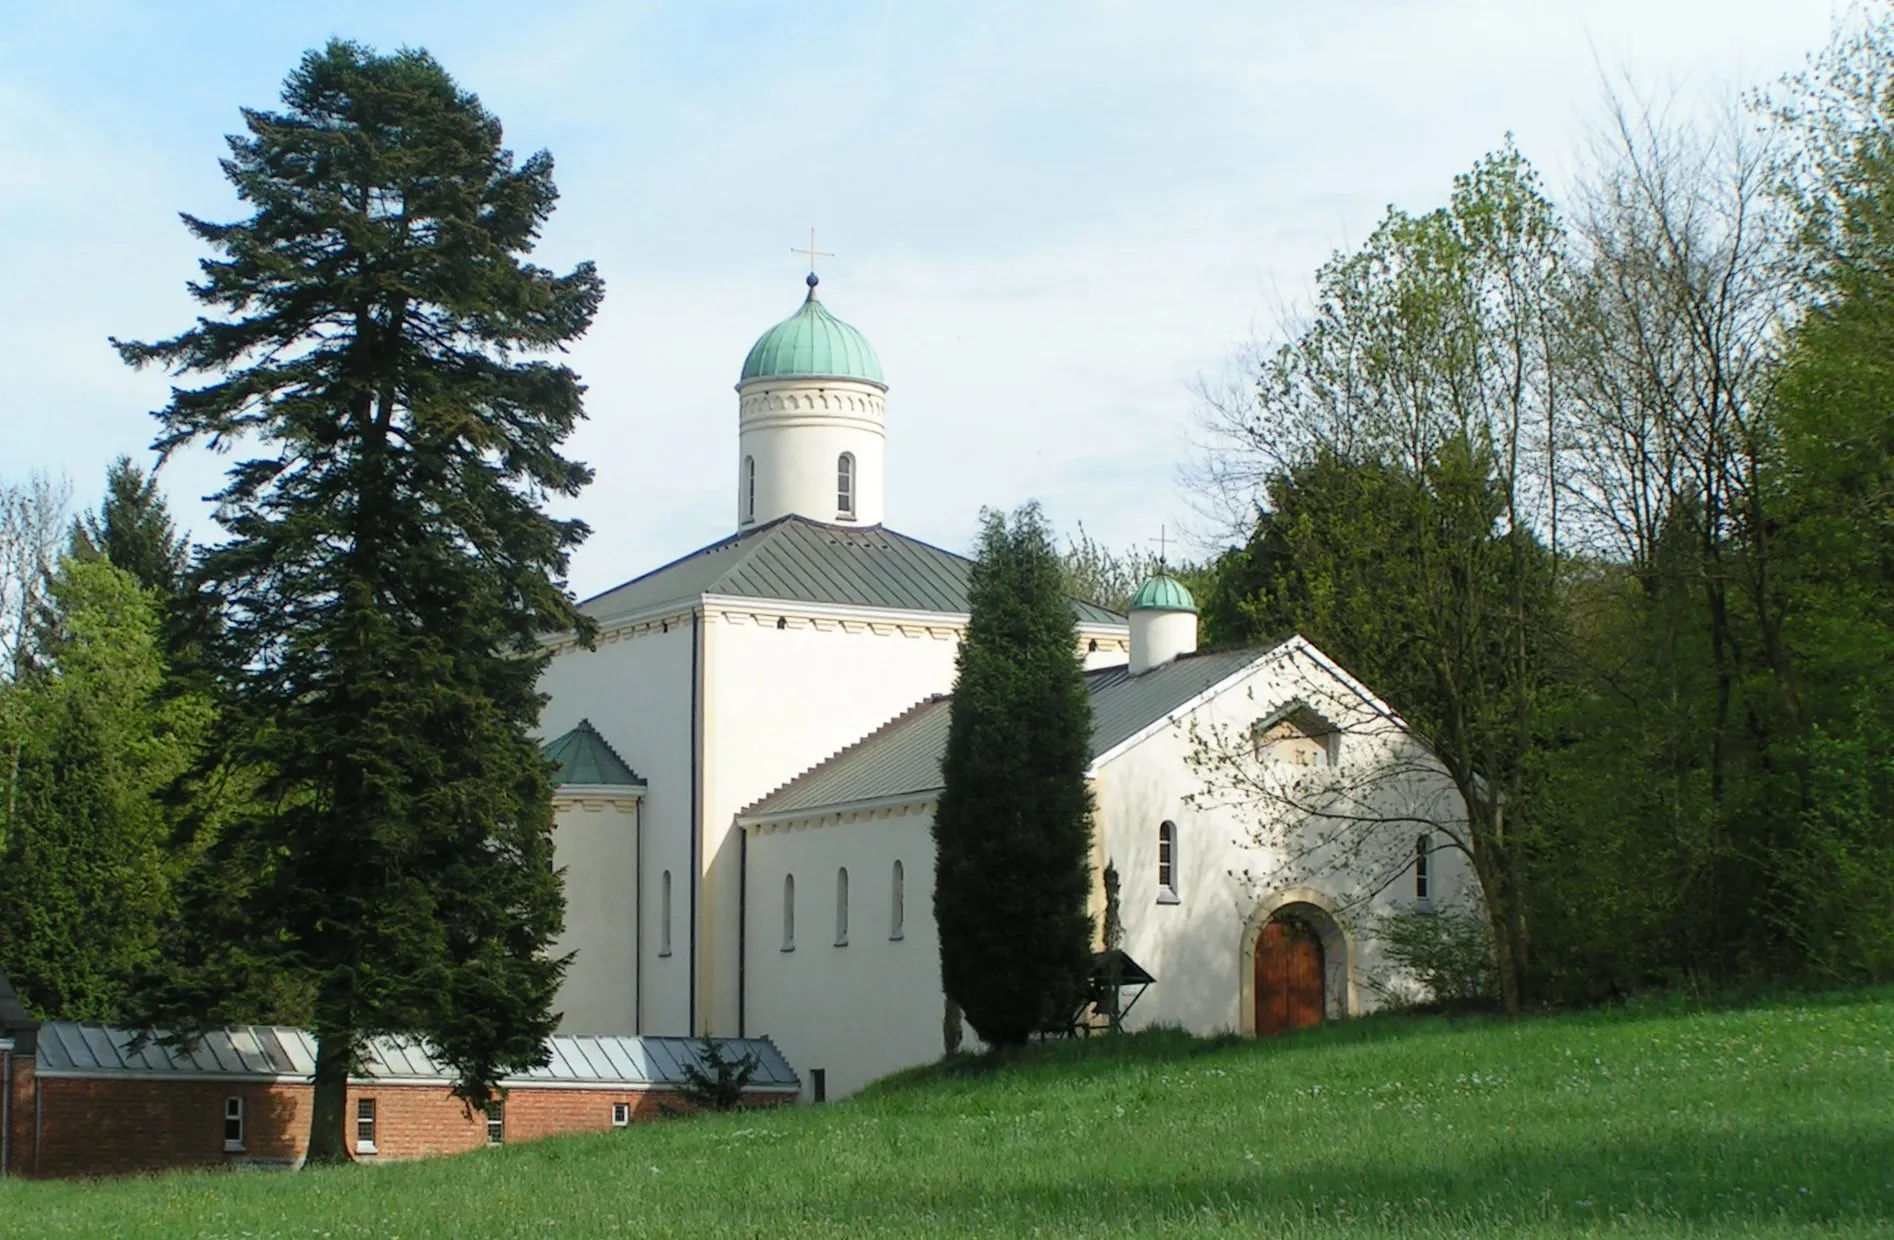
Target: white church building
750	758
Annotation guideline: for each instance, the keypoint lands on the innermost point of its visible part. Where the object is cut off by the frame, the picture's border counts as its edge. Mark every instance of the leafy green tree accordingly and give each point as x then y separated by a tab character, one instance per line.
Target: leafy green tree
1013	832
83	872
389	571
1406	437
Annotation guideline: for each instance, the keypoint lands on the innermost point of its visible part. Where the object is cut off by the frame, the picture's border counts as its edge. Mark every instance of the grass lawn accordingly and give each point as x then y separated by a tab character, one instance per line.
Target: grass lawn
1770	1120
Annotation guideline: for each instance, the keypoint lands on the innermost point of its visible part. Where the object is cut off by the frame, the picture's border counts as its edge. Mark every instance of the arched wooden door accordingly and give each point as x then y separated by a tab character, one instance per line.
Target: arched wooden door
1288	977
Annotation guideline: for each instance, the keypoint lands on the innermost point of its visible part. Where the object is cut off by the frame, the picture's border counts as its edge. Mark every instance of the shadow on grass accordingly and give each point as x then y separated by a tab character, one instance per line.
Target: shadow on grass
1161	1044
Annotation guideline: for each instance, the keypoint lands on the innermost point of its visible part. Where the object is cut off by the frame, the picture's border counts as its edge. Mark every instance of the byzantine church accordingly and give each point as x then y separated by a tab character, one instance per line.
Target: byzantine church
749	759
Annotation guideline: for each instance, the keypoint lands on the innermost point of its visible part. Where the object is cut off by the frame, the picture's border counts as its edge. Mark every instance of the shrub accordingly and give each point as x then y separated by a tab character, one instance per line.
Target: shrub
1449	953
716	1079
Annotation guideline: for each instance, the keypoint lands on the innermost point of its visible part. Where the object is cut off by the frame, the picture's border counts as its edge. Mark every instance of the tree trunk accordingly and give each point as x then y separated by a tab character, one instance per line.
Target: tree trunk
329	1116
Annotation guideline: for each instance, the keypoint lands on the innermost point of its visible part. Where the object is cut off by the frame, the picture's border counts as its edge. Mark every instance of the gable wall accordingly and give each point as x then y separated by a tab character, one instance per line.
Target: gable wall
1227	878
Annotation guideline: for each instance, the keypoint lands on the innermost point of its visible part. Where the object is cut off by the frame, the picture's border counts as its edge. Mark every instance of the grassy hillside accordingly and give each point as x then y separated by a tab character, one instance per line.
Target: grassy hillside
1771	1120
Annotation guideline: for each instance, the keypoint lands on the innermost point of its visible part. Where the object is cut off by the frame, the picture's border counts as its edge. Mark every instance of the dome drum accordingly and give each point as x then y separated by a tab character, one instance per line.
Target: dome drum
811	435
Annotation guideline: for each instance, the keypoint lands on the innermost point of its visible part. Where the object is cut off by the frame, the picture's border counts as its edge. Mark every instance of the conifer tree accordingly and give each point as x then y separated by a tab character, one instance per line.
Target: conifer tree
1013	833
133	530
389	571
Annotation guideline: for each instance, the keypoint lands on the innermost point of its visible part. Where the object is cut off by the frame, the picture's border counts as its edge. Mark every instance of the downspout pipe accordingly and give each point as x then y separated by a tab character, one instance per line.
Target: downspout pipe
6	1108
637	929
743	926
697	804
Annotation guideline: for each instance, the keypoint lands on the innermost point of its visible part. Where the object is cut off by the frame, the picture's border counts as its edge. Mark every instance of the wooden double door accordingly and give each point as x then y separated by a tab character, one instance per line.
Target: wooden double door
1289	974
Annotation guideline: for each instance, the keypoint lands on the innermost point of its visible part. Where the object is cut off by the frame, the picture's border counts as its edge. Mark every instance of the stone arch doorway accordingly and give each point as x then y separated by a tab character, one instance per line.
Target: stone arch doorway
1297	964
1289	976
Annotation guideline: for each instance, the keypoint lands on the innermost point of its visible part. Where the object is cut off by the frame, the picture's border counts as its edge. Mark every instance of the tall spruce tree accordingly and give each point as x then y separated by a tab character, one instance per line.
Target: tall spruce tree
389	570
1013	833
133	530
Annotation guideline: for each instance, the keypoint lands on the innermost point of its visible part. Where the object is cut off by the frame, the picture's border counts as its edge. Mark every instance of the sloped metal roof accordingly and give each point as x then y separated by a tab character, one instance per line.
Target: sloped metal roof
74	1049
797	560
903	756
1122	704
585	757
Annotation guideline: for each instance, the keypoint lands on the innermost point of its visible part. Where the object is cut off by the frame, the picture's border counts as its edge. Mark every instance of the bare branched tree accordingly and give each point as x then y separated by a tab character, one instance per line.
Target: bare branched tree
33	530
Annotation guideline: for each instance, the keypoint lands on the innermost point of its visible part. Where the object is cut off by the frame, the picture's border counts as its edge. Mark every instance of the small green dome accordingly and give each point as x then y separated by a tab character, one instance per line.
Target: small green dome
812	343
1163	592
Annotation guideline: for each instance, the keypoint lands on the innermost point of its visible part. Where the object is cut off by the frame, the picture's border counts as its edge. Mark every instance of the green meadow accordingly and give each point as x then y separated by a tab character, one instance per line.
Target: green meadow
1773	1119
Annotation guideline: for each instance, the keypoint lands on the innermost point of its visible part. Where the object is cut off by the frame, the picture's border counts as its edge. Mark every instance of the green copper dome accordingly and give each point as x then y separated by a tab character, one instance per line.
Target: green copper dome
812	343
1163	593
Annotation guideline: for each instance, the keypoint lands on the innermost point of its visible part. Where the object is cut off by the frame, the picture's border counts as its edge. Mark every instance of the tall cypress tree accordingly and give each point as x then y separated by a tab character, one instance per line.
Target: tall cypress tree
389	570
1013	832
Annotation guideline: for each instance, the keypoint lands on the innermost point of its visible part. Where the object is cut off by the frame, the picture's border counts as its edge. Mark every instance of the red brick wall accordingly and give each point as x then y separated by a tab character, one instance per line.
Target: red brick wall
108	1126
19	1141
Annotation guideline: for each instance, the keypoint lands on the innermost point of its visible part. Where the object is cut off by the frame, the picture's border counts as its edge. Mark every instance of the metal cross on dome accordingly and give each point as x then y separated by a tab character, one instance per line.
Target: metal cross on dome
811	251
1159	540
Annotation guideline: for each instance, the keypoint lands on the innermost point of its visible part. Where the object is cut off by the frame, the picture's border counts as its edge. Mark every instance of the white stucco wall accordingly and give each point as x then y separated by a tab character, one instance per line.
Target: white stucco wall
864	1010
636	690
779	702
796	430
595	841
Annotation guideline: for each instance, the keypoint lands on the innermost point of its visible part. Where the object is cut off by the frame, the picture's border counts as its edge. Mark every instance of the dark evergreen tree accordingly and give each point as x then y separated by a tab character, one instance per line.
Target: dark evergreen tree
389	572
1013	833
134	531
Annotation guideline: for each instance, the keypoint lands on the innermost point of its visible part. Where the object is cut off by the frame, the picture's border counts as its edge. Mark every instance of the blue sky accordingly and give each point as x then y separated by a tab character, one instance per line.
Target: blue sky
1050	218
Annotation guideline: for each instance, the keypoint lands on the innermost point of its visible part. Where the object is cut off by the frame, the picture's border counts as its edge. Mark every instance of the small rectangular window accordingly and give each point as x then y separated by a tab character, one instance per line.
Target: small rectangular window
819	1083
496	1123
364	1125
621	1114
233	1124
1423	880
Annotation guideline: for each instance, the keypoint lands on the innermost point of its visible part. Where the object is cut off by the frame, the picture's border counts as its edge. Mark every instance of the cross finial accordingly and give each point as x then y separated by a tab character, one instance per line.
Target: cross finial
811	251
1159	540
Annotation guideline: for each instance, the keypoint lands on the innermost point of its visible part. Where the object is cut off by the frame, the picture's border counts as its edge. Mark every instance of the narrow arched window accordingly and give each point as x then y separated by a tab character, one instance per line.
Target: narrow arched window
1423	881
899	903
1167	861
841	907
664	914
749	488
845	485
789	912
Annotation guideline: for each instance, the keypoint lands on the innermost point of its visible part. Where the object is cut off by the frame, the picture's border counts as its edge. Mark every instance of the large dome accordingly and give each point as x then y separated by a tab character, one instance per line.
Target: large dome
812	344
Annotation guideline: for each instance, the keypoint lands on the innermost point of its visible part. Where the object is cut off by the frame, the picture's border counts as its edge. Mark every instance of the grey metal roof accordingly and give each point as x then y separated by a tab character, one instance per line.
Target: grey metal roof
797	560
903	756
1122	704
276	1051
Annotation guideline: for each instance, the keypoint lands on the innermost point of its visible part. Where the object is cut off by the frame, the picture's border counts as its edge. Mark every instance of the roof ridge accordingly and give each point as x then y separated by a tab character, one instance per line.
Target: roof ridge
845	750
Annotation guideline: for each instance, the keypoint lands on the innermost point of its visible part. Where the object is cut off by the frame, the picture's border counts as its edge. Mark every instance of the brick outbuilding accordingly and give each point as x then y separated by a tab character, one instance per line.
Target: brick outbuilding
83	1099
